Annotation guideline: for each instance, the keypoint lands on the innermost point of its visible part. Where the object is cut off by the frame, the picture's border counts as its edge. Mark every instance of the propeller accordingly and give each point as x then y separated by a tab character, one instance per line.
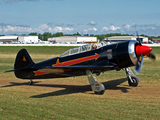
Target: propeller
139	64
140	42
141	51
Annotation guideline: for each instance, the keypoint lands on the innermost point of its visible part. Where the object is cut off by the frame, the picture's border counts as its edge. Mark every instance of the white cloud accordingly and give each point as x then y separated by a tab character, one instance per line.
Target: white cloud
113	28
43	27
60	29
126	26
92	23
46	28
104	29
110	29
10	29
92	29
15	29
147	29
68	29
85	31
57	29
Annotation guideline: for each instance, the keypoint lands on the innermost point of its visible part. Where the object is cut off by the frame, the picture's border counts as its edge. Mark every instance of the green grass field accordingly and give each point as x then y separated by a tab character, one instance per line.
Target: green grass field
72	98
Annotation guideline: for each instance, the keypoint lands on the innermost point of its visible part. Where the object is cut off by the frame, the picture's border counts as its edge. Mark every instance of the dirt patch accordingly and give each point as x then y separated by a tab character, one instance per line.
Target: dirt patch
146	91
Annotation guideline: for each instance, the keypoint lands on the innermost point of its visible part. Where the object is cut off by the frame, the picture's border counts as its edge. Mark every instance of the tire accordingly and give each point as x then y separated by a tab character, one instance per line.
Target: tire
100	93
135	80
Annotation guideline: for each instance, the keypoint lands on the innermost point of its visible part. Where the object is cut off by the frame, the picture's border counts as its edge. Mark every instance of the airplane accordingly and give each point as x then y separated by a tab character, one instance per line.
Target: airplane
86	60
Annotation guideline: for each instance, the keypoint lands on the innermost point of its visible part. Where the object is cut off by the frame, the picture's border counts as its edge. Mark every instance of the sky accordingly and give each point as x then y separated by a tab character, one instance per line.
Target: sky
83	16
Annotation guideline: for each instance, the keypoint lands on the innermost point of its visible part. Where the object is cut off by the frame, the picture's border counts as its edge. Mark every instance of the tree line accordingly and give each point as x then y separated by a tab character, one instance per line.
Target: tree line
47	35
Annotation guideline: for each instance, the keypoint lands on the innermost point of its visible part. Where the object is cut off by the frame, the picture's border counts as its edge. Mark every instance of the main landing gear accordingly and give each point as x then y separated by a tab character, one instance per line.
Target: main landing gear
132	79
97	87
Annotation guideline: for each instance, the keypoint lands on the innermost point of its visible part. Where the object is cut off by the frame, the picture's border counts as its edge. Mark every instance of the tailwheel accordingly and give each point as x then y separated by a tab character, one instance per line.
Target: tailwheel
133	80
30	82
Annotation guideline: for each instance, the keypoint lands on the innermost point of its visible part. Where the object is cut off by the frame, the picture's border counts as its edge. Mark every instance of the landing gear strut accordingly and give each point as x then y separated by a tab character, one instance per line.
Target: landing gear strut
97	87
132	79
30	82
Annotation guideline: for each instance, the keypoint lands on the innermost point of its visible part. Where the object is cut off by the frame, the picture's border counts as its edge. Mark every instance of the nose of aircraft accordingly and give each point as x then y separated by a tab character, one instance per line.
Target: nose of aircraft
143	50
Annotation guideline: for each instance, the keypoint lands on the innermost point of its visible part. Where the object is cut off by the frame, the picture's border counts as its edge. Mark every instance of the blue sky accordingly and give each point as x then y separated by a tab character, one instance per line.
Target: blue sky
83	16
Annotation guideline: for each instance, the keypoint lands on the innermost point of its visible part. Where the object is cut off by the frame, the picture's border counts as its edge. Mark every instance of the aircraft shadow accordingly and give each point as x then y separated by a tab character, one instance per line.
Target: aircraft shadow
18	84
70	89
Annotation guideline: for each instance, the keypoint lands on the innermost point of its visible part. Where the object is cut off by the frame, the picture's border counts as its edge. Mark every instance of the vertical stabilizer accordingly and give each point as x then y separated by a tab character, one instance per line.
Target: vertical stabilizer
23	59
22	64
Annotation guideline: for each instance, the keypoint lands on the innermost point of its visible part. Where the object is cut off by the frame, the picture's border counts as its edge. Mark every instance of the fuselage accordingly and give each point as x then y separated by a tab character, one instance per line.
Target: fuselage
120	54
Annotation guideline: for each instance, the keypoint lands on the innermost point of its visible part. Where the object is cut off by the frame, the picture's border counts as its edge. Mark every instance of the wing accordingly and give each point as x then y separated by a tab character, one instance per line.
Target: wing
82	67
59	69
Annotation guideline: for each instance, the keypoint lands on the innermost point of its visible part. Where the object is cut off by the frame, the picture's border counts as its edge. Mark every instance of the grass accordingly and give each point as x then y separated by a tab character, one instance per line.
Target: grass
72	98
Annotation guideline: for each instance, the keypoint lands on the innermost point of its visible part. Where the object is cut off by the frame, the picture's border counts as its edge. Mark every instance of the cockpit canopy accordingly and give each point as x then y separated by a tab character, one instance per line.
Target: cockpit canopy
83	48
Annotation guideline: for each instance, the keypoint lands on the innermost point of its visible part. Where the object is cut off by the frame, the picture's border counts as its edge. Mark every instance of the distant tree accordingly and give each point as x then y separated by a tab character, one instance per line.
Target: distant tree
92	35
100	37
67	34
33	33
77	34
86	35
125	35
15	34
58	34
46	35
151	37
40	36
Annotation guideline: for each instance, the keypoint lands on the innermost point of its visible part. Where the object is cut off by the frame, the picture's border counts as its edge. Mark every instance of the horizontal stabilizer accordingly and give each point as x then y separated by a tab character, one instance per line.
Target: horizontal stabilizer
18	69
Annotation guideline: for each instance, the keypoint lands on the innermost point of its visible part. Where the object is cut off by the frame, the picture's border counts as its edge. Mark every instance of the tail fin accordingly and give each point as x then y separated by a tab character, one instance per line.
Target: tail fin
23	59
23	64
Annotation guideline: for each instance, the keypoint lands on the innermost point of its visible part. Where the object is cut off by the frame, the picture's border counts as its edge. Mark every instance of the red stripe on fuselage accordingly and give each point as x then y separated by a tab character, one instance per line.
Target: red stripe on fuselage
76	61
39	73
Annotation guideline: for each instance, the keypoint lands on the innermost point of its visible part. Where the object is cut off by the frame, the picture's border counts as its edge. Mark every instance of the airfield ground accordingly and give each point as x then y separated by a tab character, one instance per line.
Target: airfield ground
72	98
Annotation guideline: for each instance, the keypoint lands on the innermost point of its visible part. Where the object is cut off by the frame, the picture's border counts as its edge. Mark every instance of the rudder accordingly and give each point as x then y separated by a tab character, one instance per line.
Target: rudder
23	59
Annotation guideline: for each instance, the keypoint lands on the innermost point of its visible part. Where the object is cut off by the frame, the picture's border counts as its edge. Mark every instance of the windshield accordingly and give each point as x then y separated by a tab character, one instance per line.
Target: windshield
101	44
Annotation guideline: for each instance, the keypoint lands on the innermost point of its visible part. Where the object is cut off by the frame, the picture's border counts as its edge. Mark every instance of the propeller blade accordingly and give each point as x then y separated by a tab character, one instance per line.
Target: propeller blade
139	64
152	56
140	42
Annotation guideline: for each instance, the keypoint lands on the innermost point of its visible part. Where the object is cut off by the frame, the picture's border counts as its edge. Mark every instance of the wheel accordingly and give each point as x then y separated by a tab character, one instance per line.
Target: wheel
134	82
30	82
100	92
